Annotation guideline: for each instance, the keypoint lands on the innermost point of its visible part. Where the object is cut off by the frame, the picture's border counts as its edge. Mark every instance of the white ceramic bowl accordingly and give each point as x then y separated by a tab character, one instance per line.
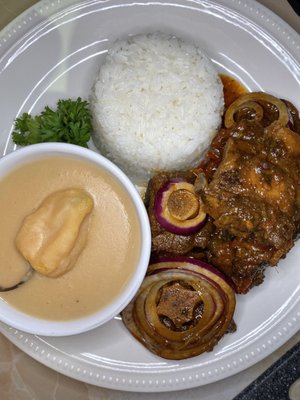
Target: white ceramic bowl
28	323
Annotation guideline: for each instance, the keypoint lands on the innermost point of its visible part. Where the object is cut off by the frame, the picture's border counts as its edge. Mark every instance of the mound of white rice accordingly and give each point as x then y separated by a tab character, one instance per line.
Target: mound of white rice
157	102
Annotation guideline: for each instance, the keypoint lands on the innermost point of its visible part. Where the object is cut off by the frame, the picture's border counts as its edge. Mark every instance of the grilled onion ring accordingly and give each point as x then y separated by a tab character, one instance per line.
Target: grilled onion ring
252	100
209	288
188	217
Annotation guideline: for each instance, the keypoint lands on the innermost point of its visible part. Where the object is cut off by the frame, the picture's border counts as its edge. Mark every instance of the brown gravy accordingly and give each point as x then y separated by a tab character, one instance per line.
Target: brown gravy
232	89
108	260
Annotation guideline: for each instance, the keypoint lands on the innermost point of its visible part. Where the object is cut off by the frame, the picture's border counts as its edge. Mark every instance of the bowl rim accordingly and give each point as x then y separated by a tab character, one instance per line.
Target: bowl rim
34	325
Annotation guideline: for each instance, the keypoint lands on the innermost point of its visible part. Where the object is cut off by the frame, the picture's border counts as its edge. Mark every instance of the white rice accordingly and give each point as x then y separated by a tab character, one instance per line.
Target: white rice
157	102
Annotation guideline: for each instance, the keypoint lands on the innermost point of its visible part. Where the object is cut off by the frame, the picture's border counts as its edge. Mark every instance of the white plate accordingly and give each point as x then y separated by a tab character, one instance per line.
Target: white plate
53	51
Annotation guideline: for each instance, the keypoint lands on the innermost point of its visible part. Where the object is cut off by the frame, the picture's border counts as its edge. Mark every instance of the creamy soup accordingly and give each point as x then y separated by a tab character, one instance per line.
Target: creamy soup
108	259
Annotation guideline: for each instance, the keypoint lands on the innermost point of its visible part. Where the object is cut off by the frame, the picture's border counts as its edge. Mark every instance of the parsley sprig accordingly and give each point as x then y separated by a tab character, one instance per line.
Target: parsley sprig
71	122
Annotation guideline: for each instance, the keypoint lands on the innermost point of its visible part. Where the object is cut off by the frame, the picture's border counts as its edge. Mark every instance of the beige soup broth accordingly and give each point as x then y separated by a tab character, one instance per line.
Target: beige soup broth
108	259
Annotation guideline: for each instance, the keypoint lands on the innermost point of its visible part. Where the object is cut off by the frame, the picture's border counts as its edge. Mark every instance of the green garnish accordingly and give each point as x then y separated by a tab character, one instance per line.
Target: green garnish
71	122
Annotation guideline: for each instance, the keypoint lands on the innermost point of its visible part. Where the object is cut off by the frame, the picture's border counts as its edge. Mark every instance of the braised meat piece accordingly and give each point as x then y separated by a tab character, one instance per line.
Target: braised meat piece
164	241
249	186
254	197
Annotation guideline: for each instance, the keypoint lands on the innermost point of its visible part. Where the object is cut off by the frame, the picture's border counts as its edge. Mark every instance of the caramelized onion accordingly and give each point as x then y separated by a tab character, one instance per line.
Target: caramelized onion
178	208
182	309
290	124
251	100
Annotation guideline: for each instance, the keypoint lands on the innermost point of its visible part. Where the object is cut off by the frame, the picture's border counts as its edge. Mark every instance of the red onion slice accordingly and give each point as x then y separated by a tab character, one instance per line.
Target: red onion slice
290	124
163	315
178	223
187	262
255	97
